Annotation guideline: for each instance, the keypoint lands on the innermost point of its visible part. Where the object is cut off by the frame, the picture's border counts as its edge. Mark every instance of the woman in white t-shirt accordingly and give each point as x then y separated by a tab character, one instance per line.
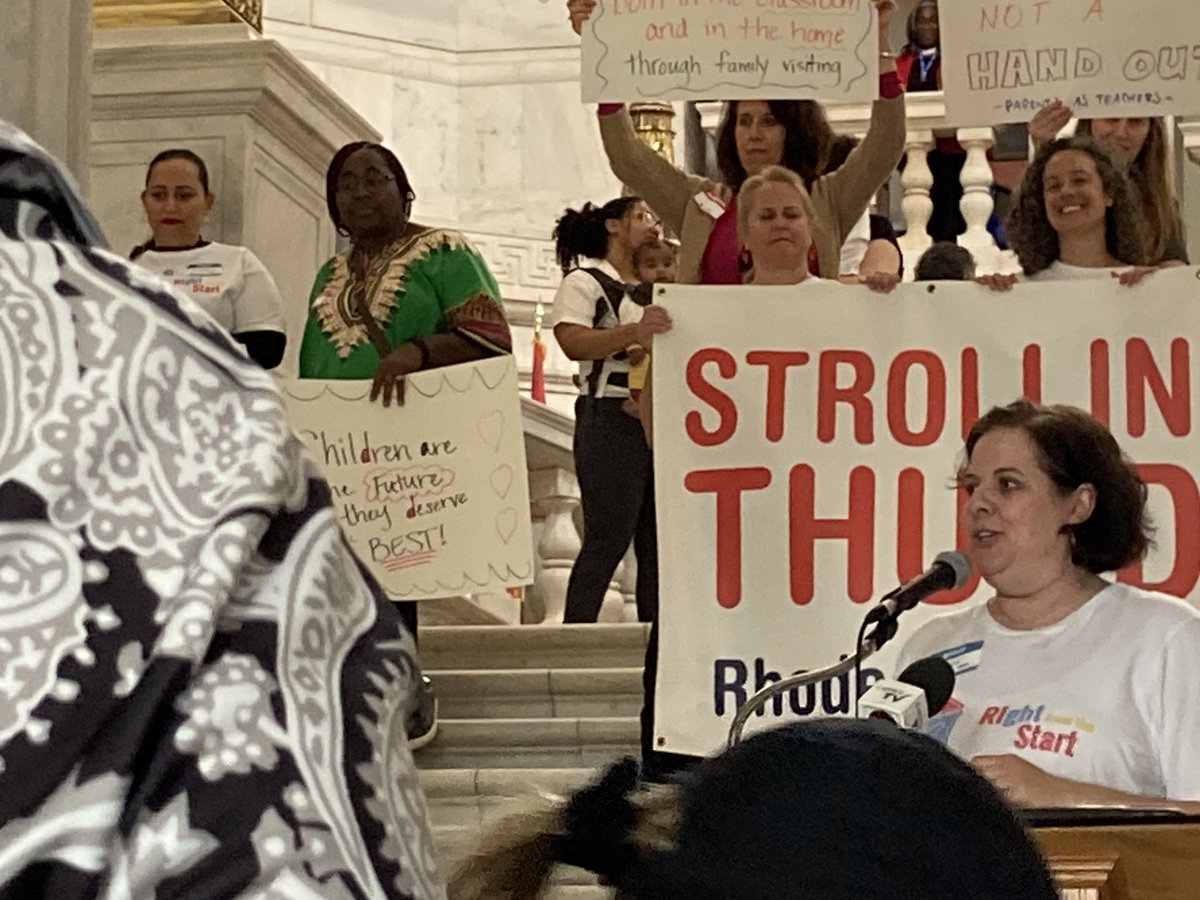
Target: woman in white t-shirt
228	282
1071	689
1076	218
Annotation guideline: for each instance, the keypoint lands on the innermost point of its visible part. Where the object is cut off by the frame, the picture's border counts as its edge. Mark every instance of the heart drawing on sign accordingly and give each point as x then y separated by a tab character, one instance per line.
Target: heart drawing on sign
506	524
491	429
501	480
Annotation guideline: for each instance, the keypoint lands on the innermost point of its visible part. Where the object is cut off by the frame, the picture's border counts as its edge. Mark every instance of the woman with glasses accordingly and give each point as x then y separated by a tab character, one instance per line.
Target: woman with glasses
404	297
228	282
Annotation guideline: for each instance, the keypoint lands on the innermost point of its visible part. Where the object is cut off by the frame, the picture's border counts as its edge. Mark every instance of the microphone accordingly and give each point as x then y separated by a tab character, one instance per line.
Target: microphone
950	569
917	694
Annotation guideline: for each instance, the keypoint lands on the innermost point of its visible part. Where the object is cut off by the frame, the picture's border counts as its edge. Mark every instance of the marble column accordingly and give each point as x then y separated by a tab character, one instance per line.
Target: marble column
45	70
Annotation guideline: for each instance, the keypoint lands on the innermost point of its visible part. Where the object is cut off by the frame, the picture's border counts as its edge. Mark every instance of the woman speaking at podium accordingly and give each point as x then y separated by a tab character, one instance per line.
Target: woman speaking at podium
1071	689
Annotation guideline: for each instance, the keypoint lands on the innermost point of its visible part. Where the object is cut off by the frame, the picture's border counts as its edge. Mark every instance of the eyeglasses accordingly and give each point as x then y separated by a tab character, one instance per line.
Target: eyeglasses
348	184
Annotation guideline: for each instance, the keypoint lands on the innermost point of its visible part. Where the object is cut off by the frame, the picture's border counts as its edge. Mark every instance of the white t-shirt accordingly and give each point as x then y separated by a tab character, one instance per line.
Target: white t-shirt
578	300
230	283
1059	271
855	247
1107	696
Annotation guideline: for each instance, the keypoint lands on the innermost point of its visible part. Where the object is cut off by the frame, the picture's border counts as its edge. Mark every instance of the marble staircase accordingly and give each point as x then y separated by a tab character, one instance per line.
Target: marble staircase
525	710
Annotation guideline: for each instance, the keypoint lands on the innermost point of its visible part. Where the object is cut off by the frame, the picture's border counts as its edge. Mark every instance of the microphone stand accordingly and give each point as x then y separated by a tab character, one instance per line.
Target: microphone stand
883	632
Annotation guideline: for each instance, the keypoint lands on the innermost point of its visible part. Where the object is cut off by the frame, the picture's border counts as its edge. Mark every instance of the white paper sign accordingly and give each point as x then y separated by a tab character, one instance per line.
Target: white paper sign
433	496
731	50
806	440
1002	61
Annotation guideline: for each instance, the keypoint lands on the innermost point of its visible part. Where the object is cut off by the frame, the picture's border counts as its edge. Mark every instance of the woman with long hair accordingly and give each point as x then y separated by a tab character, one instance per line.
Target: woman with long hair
755	134
1138	146
229	282
1076	217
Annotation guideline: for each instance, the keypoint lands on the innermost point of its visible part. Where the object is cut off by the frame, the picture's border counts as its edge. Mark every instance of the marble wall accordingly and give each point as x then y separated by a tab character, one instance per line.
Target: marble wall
45	64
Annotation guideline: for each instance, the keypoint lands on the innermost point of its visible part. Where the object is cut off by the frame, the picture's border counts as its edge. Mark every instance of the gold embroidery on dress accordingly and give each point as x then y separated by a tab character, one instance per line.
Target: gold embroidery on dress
336	307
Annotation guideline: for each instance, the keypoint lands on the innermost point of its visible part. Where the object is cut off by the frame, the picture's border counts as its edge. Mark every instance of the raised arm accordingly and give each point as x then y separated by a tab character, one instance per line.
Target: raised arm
665	188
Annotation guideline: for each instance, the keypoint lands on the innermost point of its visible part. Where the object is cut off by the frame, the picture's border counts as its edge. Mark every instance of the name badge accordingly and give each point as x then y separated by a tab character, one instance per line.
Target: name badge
964	658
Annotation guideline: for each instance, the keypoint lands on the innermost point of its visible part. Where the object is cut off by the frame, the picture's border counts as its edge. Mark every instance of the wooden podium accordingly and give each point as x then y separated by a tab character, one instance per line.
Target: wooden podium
1147	860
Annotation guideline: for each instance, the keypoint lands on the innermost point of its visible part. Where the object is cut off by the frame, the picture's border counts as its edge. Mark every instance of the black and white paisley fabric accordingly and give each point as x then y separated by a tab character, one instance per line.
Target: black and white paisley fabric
201	692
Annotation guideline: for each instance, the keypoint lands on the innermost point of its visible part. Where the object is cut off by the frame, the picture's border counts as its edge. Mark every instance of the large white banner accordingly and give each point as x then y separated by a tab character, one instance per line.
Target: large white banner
806	440
433	496
731	50
1002	61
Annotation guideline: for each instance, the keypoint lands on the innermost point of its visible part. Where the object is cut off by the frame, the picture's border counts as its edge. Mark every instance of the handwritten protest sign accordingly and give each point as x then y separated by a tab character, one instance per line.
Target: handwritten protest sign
730	50
433	497
1002	61
806	440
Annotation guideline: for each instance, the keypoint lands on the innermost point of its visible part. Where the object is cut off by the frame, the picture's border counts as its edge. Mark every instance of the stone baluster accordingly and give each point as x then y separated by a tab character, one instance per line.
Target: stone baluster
554	497
917	206
626	578
977	203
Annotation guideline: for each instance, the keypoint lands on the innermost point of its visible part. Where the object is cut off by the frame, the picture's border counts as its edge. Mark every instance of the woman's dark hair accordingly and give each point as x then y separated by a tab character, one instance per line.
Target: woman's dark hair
1149	174
1034	239
807	138
582	232
180	153
1074	449
334	172
945	261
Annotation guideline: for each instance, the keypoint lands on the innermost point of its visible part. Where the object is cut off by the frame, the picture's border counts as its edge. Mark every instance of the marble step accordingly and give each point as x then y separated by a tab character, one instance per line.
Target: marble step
538	693
466	798
460	647
530	743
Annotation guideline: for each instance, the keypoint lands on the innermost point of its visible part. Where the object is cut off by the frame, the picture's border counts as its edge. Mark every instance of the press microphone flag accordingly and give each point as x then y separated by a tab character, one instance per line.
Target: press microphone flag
918	693
950	569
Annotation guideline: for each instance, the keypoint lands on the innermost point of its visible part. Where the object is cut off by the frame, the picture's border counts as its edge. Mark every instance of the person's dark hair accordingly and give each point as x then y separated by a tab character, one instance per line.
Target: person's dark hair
1034	239
945	261
806	141
1149	174
334	172
1074	449
582	232
803	798
839	151
910	27
181	153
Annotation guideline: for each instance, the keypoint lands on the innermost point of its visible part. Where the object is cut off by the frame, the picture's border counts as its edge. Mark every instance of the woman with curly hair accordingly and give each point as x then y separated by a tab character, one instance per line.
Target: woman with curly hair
1138	146
1077	217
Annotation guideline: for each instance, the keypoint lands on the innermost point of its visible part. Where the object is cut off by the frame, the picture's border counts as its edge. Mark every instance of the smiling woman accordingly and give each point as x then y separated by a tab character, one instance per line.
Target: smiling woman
1077	218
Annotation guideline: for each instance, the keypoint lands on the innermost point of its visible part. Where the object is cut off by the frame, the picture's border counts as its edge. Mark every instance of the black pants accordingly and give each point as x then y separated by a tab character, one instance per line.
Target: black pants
616	486
408	615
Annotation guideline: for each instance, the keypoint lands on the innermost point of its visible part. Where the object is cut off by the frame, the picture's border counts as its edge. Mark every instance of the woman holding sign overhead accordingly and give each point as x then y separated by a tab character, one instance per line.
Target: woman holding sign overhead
755	134
403	298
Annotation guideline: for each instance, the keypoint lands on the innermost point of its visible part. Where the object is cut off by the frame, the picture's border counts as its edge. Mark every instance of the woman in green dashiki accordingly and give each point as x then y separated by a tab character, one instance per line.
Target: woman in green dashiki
404	297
